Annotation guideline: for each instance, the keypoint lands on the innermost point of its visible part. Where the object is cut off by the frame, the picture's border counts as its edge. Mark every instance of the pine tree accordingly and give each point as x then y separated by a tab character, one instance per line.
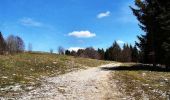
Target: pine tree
126	53
106	55
153	18
142	45
166	46
115	52
135	54
164	37
101	53
67	52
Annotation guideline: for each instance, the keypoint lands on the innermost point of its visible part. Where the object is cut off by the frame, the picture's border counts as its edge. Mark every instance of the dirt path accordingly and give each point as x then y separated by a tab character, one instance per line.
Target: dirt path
89	84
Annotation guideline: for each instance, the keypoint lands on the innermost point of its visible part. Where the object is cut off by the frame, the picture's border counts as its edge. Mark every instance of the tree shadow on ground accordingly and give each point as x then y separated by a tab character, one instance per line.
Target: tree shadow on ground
138	67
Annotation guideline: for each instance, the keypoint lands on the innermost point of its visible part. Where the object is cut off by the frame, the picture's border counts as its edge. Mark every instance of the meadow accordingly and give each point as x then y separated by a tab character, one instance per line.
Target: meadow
138	81
24	71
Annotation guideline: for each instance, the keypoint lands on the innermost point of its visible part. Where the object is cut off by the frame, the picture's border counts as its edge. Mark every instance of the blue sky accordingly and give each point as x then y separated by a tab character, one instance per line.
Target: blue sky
47	24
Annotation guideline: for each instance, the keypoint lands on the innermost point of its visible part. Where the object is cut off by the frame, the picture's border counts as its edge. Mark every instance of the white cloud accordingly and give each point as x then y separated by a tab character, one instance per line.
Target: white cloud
82	34
102	15
74	48
30	22
120	42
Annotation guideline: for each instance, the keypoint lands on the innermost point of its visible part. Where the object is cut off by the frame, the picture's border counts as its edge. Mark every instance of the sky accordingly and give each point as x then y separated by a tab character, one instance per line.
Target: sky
72	24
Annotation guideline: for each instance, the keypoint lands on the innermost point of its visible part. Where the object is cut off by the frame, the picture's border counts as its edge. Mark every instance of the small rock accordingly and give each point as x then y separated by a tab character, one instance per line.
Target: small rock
54	62
166	79
4	77
29	88
62	89
13	74
47	66
145	84
143	74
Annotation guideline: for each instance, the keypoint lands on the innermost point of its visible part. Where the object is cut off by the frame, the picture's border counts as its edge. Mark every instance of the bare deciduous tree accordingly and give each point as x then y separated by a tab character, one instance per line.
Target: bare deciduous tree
2	44
11	44
29	47
51	51
61	50
15	44
20	44
88	53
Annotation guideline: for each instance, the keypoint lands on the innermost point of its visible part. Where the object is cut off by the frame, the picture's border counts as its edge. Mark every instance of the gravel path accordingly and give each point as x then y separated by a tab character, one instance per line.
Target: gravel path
89	84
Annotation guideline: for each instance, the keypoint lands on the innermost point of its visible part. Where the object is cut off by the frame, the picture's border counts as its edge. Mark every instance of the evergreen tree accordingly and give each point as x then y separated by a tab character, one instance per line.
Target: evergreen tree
67	52
166	46
73	53
101	53
106	55
135	54
143	48
145	15
114	52
164	36
154	18
126	53
110	53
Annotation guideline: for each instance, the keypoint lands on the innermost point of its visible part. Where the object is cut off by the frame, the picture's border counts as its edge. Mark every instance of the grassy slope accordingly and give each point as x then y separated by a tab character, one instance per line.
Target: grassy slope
142	84
26	69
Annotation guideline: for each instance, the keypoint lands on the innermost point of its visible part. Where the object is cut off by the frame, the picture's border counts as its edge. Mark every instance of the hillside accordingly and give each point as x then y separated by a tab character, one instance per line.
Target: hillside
28	76
23	72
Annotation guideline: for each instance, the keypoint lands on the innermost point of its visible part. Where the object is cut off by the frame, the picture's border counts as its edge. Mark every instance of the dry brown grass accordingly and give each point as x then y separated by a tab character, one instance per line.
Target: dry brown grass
26	69
143	84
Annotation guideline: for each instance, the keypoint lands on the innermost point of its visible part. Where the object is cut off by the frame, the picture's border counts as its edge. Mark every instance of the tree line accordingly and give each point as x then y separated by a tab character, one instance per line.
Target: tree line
13	44
154	20
128	53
